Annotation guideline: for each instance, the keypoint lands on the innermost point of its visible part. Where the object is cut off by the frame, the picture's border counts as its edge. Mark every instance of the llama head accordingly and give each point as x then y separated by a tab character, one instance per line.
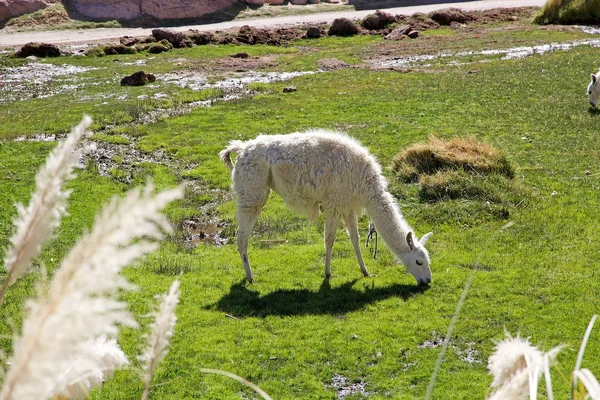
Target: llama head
416	260
593	90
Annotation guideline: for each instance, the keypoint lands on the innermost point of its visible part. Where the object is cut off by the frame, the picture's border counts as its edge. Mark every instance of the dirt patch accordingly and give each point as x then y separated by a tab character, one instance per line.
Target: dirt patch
331	64
345	388
465	351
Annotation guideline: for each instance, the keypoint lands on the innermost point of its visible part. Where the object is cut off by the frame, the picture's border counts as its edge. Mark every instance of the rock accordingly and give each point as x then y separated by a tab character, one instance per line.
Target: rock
313	1
177	39
240	55
160	47
379	20
343	27
275	2
446	16
129	41
289	89
399	33
140	78
200	38
298	2
144	10
38	50
313	32
15	8
413	34
113	49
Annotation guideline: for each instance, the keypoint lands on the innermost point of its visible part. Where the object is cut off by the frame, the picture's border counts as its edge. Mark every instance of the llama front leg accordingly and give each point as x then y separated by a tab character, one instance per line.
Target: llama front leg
351	221
331	222
246	219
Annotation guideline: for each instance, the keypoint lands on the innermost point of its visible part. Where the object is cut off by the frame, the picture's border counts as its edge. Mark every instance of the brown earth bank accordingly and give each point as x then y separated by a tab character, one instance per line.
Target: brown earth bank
15	8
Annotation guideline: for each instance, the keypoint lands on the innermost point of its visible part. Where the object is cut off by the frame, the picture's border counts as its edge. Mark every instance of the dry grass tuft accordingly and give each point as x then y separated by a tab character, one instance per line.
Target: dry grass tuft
570	12
466	154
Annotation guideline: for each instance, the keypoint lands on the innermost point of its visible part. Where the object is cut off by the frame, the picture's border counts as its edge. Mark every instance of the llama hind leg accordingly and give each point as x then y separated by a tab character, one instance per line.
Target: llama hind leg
331	222
351	221
246	217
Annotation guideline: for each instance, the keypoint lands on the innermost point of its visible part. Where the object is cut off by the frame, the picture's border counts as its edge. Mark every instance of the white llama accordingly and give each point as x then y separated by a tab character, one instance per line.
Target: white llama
593	89
327	169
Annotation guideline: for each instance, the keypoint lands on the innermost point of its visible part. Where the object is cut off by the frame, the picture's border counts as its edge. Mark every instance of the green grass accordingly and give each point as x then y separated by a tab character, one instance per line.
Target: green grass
293	331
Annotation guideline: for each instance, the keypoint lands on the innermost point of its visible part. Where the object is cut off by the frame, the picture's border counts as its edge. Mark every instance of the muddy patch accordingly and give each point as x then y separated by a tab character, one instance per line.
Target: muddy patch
345	388
464	351
199	81
209	232
39	80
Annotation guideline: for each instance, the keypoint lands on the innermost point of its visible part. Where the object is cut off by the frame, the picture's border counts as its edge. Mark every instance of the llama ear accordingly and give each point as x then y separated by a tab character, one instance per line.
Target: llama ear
594	79
409	241
425	238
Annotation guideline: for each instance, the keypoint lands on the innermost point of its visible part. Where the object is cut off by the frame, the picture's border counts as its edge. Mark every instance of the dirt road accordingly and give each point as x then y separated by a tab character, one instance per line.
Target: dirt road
112	34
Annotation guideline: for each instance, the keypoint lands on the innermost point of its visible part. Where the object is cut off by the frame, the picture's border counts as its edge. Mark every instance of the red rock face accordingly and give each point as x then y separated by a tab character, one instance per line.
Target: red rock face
15	8
128	10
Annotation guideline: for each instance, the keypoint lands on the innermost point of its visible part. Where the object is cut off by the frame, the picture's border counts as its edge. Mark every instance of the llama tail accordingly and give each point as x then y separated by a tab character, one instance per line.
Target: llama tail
235	146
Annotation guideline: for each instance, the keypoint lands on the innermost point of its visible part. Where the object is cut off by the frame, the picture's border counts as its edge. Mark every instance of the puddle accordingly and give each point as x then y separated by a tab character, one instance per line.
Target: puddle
36	80
344	388
204	232
506	54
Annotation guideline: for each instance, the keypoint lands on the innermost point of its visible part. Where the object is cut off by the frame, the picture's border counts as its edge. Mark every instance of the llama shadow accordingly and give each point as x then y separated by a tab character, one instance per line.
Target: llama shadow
242	302
373	4
594	111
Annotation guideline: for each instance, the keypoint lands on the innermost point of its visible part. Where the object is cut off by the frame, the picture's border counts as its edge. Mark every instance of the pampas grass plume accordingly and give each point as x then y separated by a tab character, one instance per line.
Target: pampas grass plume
517	366
35	224
161	332
106	356
81	302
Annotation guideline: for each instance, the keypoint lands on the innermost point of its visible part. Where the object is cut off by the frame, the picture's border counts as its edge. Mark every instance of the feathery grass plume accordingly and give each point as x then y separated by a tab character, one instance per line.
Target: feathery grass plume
81	300
590	382
35	224
108	357
517	367
160	335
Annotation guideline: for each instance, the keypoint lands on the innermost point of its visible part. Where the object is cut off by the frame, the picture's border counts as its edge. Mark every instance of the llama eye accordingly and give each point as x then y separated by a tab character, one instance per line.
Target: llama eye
419	262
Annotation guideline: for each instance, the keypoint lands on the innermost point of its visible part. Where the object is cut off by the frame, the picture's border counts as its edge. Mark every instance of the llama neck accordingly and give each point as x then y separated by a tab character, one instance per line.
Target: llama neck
388	220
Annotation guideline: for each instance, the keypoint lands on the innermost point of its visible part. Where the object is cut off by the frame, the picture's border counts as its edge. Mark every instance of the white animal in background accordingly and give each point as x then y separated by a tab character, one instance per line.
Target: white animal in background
593	89
321	169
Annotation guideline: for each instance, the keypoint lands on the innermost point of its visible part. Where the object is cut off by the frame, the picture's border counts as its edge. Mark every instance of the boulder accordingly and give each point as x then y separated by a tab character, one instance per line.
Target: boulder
177	39
342	27
200	38
446	16
159	10
313	32
140	78
15	8
379	20
399	33
38	50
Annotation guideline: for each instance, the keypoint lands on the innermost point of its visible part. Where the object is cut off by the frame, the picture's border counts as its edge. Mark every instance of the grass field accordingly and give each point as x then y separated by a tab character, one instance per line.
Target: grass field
293	333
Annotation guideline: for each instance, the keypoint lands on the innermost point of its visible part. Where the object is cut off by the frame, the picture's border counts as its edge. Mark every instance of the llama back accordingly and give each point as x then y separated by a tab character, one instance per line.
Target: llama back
315	167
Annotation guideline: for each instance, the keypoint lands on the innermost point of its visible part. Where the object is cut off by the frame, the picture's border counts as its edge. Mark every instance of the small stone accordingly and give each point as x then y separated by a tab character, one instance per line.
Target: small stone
289	89
313	32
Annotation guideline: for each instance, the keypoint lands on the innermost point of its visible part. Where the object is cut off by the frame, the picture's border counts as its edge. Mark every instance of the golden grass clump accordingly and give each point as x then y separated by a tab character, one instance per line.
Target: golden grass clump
569	12
466	154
